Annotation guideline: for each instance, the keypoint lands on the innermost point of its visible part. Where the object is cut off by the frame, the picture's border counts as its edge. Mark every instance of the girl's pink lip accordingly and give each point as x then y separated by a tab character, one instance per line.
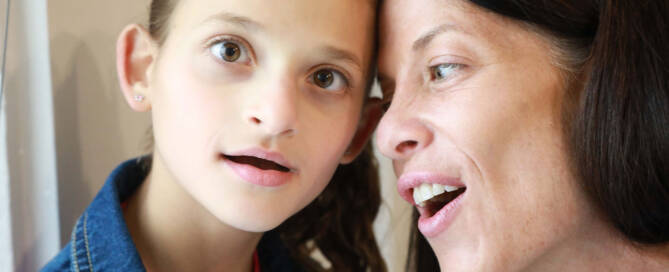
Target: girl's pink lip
263	154
257	176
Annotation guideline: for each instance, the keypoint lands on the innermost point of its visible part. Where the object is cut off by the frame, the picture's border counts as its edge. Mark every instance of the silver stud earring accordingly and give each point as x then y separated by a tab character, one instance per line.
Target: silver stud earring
139	98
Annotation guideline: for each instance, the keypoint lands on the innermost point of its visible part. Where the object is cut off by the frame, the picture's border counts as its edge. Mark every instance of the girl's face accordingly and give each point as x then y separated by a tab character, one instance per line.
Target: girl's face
255	103
478	107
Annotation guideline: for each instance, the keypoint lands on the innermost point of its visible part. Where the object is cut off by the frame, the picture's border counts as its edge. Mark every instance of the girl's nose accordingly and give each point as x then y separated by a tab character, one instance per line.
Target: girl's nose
275	111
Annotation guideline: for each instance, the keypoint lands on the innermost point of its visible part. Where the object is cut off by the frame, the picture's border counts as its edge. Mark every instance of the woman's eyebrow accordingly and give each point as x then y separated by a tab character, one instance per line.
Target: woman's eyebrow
231	18
425	39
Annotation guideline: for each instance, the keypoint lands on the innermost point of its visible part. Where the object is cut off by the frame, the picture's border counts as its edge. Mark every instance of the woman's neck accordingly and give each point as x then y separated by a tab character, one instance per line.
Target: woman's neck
602	248
173	232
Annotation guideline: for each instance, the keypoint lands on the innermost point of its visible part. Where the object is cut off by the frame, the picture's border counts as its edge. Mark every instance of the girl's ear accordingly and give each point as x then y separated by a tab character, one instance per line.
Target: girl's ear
371	114
136	54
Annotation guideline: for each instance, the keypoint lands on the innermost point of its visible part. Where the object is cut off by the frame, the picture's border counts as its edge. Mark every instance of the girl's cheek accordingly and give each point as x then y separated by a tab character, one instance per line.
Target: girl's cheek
208	69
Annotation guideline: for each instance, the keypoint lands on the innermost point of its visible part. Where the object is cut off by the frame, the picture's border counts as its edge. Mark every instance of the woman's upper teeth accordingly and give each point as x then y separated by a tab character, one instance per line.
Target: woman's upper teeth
426	191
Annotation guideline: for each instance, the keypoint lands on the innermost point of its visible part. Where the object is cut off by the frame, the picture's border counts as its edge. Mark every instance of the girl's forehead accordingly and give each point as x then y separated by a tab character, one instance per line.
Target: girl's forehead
342	23
280	15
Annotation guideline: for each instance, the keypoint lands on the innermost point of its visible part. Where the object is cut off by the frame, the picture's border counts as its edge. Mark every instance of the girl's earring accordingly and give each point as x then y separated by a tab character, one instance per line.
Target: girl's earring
139	98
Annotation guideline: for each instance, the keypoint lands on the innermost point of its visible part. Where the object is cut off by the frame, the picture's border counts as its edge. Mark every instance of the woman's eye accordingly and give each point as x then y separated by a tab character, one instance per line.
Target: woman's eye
328	79
443	71
229	51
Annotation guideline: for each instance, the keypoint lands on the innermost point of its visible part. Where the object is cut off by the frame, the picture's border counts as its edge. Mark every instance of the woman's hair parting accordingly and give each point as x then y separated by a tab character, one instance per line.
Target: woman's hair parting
338	223
616	113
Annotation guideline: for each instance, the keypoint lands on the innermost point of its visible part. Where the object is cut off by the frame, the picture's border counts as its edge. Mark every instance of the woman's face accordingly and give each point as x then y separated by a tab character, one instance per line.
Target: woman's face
477	106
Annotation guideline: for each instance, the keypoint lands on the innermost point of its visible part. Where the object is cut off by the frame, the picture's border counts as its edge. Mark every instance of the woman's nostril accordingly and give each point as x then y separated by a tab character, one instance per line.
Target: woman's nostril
406	146
255	120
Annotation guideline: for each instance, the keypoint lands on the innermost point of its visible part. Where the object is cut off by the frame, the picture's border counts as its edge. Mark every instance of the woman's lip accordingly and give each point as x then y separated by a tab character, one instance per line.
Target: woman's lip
410	180
257	176
431	226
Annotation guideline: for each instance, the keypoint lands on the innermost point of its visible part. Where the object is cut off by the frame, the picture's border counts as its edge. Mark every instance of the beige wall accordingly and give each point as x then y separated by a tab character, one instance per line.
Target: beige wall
95	129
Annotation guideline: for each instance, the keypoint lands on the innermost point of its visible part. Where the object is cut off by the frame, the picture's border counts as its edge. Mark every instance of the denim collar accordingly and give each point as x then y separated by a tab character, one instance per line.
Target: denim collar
101	240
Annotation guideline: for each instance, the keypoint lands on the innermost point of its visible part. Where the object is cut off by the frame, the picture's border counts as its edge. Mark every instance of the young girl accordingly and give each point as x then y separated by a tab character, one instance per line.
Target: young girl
254	105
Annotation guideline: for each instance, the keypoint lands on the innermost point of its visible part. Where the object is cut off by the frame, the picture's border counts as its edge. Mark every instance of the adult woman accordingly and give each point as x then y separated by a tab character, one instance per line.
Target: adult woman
546	123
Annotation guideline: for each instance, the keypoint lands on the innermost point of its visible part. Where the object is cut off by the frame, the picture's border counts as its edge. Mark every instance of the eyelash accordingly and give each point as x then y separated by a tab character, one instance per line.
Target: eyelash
338	74
452	68
245	53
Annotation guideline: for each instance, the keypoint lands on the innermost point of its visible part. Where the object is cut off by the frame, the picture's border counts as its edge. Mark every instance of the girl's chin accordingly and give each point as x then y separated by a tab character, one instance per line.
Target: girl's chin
251	221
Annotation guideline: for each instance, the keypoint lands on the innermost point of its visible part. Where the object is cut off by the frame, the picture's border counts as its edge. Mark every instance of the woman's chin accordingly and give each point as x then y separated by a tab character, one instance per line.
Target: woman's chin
457	251
457	260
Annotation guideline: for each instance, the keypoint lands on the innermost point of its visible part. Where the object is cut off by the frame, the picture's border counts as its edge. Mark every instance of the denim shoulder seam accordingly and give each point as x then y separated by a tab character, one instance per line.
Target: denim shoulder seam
74	246
88	251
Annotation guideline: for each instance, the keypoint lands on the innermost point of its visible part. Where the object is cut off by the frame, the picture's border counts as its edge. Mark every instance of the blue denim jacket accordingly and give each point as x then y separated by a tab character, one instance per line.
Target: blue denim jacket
100	240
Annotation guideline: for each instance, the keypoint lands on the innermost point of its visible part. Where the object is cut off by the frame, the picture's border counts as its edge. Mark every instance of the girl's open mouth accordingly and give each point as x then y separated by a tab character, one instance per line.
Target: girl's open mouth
260	167
258	163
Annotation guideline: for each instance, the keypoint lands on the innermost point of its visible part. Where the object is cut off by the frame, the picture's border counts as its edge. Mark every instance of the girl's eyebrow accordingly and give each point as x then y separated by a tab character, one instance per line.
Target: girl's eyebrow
242	21
332	52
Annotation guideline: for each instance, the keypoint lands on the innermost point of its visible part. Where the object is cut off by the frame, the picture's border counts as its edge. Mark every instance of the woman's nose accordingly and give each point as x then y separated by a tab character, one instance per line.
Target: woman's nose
401	134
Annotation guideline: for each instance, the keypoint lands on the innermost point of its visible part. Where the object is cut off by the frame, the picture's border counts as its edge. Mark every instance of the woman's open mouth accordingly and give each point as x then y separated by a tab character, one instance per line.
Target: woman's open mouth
435	196
259	167
430	198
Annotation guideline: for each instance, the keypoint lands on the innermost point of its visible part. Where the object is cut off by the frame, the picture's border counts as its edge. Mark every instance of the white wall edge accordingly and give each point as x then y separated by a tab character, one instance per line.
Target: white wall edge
6	252
30	142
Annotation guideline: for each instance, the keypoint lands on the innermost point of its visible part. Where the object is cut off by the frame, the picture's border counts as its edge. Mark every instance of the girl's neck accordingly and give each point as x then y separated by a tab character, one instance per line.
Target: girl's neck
173	232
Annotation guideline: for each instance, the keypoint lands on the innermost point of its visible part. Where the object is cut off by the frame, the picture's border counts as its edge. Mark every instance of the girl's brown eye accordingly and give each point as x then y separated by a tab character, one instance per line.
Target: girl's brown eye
324	78
230	52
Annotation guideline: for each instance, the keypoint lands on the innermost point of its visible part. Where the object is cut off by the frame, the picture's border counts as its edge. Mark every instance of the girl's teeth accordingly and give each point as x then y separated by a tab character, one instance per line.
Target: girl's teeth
427	191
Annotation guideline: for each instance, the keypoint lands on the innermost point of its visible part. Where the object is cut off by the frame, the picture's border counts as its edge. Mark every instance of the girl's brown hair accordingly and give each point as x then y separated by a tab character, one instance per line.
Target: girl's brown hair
339	222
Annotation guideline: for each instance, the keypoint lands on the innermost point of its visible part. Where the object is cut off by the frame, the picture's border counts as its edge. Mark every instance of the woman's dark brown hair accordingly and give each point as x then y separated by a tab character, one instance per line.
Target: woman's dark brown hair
339	222
617	118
